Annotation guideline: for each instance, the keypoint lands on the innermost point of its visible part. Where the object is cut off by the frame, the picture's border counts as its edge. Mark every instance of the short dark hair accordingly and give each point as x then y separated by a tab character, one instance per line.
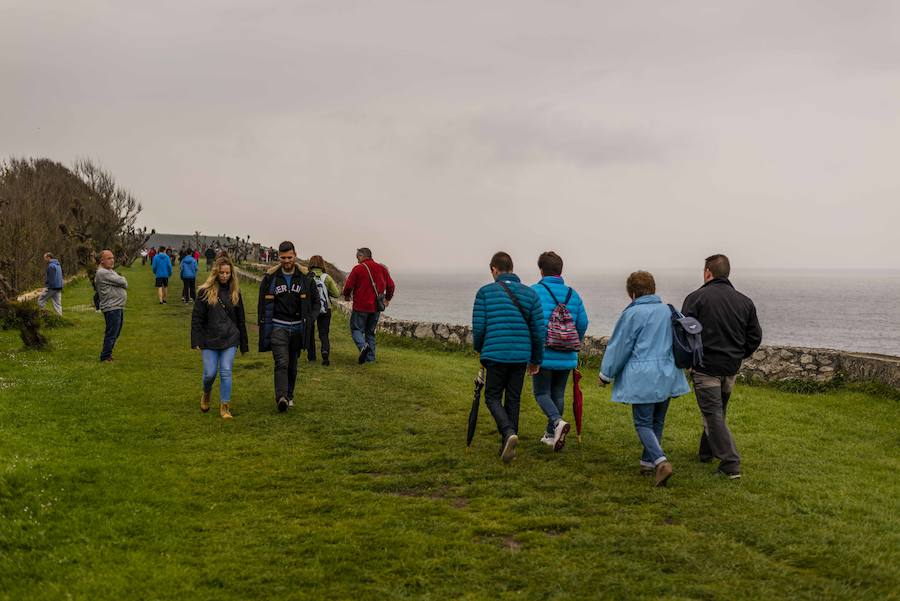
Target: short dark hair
640	283
365	252
550	263
286	246
502	262
190	251
719	266
162	249
316	261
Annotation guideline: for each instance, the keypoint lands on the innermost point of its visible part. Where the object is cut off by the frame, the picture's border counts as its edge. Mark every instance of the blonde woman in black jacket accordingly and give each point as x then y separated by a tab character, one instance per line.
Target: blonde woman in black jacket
218	328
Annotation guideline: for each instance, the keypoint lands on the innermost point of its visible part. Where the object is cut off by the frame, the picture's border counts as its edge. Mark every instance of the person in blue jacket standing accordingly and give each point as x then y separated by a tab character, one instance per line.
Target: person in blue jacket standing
639	360
508	332
549	384
162	269
189	268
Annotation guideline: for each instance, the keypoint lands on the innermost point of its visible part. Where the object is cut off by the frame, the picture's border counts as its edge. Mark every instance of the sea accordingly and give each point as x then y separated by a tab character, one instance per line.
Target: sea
846	310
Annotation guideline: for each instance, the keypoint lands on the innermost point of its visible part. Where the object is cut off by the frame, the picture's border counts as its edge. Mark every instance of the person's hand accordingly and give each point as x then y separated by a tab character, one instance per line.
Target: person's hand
387	303
532	369
602	382
196	348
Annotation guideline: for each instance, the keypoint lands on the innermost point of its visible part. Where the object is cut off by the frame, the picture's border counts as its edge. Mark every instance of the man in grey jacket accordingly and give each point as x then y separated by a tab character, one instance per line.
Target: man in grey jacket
111	287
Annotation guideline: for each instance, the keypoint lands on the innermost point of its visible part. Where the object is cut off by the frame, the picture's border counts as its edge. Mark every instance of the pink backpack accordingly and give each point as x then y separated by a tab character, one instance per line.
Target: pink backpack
562	335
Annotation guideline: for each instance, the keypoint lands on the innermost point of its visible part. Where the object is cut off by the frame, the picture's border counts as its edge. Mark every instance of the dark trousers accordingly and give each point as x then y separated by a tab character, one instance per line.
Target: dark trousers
286	346
362	330
504	380
114	320
189	290
323	323
712	394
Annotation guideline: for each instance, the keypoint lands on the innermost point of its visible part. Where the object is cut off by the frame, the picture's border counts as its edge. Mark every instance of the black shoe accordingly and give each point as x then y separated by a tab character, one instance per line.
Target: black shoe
705	458
363	353
282	404
325	360
311	358
730	475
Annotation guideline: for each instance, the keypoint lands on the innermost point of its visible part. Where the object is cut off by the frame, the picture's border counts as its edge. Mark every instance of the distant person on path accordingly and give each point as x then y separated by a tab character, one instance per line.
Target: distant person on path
560	356
189	277
731	333
150	254
162	269
218	329
508	331
144	253
640	362
111	290
371	288
210	255
328	290
288	301
53	285
196	255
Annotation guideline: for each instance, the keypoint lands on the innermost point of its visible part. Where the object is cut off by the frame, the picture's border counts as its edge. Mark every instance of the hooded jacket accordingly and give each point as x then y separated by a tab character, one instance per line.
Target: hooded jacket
220	325
638	358
279	302
161	265
54	278
188	268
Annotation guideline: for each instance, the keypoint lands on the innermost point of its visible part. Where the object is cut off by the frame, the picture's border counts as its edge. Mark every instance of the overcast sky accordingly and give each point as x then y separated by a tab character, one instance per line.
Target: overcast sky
622	134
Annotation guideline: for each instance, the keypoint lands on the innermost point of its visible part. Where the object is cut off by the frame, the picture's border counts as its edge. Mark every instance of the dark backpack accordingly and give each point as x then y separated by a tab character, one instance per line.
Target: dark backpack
687	345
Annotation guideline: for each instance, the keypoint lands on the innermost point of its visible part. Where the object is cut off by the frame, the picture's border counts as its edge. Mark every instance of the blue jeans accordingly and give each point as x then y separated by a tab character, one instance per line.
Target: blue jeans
114	320
649	419
362	330
219	361
550	391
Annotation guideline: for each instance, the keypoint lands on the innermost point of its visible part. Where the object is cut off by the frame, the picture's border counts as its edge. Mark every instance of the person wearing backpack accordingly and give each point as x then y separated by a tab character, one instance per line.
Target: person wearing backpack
327	290
640	362
288	303
508	333
218	329
371	287
189	277
566	321
731	333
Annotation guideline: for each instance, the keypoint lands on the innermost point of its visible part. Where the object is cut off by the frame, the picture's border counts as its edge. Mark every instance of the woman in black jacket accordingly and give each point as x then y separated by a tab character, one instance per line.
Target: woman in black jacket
218	328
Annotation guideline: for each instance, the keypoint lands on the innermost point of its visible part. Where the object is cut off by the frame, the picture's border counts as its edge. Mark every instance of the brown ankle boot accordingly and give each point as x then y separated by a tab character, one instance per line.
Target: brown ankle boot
663	472
224	411
204	402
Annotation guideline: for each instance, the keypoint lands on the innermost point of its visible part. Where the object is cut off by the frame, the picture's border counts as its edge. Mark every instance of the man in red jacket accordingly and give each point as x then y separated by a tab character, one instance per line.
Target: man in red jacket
372	289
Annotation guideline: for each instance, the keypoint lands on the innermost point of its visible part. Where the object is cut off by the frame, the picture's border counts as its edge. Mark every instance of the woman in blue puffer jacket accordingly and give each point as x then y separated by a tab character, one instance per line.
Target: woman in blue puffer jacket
639	360
549	384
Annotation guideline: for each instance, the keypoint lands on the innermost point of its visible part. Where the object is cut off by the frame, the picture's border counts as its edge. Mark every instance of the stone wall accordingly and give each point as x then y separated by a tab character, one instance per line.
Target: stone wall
768	364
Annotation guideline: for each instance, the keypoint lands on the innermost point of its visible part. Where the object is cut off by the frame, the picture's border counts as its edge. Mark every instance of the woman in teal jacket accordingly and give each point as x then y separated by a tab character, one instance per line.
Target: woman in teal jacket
549	384
639	360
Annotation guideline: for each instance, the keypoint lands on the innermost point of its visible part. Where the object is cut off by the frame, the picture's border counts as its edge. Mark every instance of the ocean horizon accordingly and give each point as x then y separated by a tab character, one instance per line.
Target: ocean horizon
845	309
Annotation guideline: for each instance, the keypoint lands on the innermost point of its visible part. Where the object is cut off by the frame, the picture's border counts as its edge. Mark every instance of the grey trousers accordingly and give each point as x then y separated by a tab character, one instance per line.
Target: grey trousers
54	296
712	394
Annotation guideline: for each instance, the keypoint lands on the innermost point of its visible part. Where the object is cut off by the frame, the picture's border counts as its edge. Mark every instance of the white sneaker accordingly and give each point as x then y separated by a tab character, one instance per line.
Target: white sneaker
290	402
547	439
559	435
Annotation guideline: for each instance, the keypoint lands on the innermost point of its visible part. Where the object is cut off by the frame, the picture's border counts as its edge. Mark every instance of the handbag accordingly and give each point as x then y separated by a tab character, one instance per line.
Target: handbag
380	304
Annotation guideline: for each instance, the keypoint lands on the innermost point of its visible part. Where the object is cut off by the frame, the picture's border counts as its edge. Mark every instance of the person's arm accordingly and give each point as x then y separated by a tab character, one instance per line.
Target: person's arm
581	320
619	348
114	279
350	284
690	306
538	329
331	286
753	333
315	303
389	285
241	324
479	321
261	303
198	318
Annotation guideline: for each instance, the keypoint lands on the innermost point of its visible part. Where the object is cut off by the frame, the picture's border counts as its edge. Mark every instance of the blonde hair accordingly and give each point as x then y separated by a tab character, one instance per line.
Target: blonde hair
211	285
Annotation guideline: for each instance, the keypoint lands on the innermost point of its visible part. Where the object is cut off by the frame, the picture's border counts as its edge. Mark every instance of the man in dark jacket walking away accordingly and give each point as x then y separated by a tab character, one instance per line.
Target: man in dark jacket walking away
53	285
288	300
508	331
370	285
210	255
731	333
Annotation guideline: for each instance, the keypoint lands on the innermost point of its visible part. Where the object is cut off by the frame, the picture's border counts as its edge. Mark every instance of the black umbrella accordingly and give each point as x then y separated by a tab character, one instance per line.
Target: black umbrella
473	413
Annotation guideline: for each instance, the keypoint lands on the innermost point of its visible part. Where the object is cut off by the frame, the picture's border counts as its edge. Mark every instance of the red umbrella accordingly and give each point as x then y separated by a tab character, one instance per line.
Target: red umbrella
577	401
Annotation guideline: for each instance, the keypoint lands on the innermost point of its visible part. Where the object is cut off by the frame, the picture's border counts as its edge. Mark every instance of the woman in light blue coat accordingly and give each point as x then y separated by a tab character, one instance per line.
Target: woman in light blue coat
549	384
639	362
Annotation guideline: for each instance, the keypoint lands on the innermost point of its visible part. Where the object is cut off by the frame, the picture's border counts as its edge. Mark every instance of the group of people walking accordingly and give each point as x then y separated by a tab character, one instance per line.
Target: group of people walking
517	330
537	330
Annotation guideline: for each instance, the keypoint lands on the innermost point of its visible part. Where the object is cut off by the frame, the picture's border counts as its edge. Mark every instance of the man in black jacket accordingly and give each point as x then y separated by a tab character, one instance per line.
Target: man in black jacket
288	299
731	333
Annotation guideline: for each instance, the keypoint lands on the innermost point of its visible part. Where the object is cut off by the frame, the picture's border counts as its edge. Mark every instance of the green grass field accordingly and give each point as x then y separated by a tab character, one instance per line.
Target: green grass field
114	486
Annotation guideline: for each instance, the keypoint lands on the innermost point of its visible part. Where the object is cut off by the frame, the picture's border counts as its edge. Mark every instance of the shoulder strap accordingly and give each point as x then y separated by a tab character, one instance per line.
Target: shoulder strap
553	296
371	279
568	297
515	302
